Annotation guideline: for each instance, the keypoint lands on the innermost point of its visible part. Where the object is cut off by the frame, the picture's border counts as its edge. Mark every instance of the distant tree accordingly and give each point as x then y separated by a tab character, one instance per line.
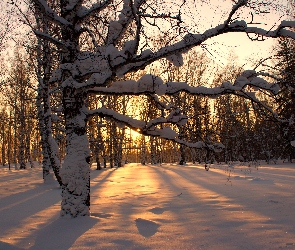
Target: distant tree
4	136
286	96
44	59
19	98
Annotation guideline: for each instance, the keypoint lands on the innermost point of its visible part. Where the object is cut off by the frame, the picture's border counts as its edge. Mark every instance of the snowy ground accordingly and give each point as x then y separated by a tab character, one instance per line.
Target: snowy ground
155	207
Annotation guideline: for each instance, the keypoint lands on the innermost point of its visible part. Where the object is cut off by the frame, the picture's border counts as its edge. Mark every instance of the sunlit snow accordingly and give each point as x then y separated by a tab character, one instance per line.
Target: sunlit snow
155	207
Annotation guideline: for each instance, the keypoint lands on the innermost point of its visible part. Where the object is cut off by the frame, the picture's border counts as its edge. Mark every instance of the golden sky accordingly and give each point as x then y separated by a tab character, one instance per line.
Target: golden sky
206	14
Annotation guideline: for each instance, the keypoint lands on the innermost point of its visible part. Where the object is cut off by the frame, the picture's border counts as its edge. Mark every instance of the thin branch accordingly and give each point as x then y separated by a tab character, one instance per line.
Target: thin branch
251	97
85	29
234	10
49	38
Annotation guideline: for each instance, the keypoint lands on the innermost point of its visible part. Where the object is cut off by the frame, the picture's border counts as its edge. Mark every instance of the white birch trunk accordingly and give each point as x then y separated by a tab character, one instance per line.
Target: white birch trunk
75	172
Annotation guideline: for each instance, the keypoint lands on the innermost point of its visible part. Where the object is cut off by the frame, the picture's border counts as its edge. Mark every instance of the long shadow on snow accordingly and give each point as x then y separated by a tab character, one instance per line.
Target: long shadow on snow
16	175
62	233
201	209
20	197
120	243
96	184
206	182
19	205
20	210
236	194
6	246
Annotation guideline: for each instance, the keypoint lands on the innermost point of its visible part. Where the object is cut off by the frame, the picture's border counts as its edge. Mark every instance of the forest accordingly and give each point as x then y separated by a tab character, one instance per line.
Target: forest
113	82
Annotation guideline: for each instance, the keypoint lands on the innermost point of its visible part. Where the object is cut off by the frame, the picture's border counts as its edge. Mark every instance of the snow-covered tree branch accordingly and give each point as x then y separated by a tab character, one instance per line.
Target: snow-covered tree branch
149	128
50	14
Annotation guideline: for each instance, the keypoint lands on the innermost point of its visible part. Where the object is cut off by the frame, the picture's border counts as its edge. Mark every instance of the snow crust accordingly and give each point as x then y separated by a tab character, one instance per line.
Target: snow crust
149	83
95	64
176	117
75	174
129	47
146	53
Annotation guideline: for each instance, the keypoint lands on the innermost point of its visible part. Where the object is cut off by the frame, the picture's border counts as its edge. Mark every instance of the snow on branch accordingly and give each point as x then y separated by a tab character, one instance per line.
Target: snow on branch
281	31
150	84
126	60
84	12
173	52
147	128
104	112
72	4
117	28
50	13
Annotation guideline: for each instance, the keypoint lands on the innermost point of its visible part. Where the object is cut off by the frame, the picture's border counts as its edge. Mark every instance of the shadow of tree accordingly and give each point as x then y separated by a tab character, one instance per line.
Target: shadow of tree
6	246
62	233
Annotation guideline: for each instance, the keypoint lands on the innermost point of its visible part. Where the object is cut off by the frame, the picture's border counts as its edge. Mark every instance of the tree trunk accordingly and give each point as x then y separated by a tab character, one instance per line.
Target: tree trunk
3	144
98	167
48	143
153	150
143	151
75	172
182	155
28	144
45	161
182	160
22	163
76	177
9	142
111	152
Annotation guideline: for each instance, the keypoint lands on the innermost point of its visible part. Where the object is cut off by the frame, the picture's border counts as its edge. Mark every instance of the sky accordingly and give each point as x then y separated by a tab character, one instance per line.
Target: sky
223	47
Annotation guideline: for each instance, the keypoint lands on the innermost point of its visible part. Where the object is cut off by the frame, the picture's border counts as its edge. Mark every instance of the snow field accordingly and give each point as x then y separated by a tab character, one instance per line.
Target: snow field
155	207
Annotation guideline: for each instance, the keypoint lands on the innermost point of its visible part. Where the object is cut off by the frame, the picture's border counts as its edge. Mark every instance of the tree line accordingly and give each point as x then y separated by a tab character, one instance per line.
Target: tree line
245	130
